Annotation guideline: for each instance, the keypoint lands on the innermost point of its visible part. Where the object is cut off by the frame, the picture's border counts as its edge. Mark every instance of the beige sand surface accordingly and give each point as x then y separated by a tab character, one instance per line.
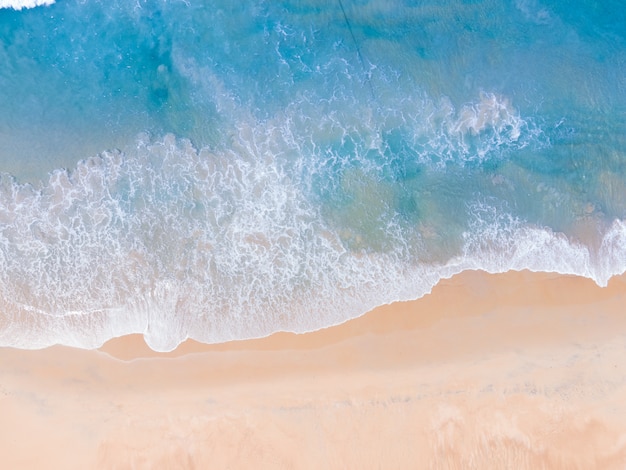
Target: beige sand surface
515	371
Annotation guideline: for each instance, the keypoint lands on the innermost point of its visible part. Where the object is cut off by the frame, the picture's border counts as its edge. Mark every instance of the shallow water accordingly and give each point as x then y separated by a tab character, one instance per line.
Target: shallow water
217	171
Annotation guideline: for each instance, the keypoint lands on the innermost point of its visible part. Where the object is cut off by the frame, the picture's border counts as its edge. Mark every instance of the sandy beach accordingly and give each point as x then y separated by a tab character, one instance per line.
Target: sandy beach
518	370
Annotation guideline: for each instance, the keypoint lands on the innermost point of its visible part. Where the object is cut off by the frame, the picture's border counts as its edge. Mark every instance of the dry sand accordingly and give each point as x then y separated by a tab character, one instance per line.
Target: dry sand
517	371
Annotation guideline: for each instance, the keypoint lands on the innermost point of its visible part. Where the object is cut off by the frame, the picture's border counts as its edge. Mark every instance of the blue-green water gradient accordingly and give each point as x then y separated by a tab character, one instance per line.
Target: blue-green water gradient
222	170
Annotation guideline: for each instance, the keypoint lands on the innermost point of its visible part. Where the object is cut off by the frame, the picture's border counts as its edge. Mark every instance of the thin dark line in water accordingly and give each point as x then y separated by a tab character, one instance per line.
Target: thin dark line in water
358	49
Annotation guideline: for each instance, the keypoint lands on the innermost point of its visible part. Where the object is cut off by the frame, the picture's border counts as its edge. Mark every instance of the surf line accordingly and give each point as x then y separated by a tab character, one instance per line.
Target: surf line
358	49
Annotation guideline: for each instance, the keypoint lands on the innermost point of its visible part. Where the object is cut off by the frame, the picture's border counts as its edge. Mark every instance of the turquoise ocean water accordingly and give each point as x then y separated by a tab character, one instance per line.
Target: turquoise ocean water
222	170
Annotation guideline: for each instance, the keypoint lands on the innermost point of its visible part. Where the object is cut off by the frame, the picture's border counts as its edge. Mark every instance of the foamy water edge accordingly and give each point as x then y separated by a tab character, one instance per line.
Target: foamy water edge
20	4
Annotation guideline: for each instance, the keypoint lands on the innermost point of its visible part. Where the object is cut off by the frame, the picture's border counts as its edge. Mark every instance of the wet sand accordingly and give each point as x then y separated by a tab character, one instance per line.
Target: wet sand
518	370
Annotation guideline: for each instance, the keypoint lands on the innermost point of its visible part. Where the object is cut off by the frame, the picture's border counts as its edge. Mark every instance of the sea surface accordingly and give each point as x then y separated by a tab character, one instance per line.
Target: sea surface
222	170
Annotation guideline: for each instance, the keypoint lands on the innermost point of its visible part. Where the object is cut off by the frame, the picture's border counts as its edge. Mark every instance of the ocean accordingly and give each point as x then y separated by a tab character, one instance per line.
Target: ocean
220	170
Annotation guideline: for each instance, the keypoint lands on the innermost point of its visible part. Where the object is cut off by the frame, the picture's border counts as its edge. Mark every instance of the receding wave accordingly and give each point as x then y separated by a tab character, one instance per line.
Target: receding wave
175	243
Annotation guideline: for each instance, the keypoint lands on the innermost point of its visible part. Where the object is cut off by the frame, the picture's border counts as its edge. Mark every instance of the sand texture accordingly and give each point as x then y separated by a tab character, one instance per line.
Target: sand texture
519	371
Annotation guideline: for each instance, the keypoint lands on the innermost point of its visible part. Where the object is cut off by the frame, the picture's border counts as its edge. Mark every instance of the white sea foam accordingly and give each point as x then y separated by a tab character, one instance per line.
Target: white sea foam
491	111
175	243
19	4
483	130
172	243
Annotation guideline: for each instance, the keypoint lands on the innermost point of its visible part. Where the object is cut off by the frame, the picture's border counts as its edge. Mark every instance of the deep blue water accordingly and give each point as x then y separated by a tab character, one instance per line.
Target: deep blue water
223	170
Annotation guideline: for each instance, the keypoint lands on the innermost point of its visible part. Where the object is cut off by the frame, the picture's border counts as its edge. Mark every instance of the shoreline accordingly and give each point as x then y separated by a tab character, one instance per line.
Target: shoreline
542	288
521	369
